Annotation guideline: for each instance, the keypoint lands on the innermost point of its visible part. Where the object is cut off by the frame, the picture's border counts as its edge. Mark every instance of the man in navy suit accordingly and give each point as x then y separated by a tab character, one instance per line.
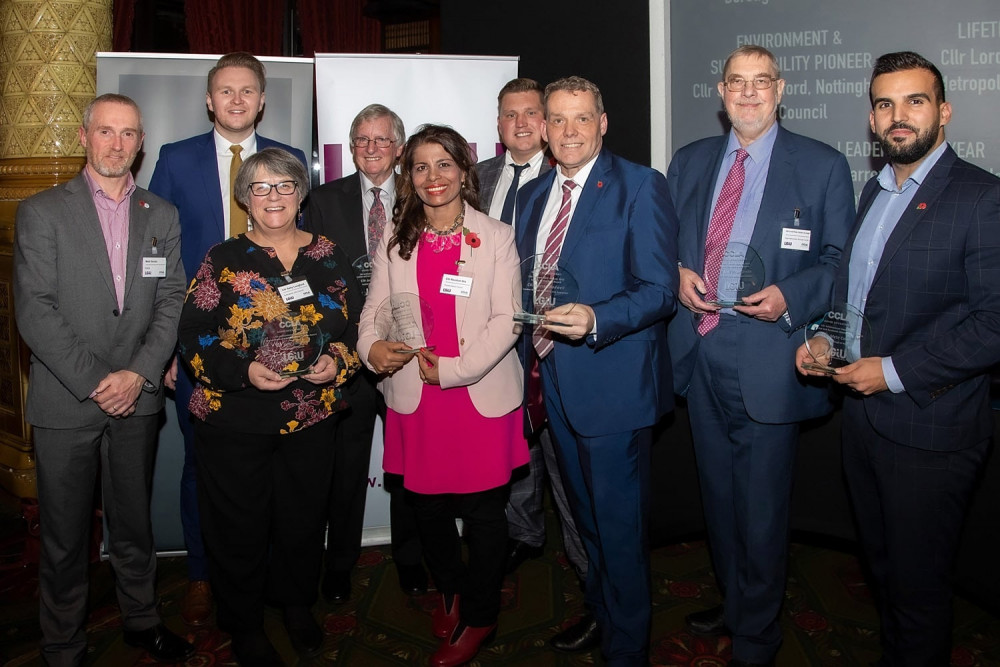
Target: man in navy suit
520	115
194	175
923	265
352	211
601	363
789	199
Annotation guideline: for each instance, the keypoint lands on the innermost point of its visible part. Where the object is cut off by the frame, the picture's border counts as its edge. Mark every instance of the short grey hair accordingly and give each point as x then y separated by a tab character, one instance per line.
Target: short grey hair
373	111
574	84
88	112
279	162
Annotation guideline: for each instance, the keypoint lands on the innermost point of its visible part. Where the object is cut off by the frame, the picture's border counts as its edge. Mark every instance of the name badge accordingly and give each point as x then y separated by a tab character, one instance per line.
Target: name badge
795	239
294	291
456	285
154	267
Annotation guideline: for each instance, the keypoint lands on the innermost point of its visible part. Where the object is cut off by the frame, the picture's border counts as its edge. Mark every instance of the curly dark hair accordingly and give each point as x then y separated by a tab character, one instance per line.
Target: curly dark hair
408	213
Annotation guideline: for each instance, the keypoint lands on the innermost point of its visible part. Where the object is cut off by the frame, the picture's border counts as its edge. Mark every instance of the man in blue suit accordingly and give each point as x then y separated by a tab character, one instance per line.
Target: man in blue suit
195	176
601	364
923	265
788	199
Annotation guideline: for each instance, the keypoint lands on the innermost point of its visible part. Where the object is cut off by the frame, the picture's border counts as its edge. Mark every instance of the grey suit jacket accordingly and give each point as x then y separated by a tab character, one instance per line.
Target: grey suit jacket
66	308
489	174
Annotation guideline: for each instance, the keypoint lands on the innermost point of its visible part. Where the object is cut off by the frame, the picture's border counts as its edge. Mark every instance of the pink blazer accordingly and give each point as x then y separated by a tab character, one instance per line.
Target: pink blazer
488	364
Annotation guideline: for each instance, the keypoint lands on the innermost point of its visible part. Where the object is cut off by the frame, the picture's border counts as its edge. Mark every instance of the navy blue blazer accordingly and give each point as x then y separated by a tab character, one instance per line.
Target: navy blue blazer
934	306
187	175
621	248
804	175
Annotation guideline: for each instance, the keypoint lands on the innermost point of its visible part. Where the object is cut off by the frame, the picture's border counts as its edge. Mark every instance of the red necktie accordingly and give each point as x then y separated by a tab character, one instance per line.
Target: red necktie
719	229
376	221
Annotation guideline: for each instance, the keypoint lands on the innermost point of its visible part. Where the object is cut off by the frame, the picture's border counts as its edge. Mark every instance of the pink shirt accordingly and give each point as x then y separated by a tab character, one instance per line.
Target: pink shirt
114	218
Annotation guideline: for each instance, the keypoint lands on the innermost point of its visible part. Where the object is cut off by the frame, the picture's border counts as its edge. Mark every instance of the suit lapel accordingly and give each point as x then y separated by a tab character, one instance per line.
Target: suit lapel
929	190
82	208
137	225
210	182
350	203
703	216
780	173
526	229
592	192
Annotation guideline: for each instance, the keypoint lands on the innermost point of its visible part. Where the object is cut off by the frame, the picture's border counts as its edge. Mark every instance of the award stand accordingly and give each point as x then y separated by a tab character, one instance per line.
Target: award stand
541	287
840	337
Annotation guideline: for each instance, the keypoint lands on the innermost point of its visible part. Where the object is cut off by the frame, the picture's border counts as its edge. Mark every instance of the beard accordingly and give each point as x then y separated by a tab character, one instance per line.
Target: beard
902	153
107	168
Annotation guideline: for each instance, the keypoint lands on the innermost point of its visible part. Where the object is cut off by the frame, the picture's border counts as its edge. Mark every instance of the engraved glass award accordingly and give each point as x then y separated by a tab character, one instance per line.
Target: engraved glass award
404	318
362	268
541	287
840	337
290	344
740	275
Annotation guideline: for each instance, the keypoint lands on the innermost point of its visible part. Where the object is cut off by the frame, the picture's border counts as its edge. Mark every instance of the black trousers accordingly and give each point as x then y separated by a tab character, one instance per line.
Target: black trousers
263	510
909	505
484	522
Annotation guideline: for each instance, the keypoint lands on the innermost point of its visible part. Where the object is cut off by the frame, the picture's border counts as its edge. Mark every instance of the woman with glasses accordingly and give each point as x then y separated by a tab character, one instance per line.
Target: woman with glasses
269	331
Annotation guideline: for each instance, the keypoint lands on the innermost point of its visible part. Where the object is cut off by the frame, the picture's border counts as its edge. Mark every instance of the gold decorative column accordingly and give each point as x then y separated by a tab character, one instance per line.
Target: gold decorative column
48	71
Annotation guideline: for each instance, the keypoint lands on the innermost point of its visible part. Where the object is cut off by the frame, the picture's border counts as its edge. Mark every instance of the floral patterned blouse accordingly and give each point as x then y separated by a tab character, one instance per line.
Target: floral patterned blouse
233	300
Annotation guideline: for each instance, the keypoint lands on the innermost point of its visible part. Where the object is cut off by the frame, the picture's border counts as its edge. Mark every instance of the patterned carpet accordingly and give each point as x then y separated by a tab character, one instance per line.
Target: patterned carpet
828	617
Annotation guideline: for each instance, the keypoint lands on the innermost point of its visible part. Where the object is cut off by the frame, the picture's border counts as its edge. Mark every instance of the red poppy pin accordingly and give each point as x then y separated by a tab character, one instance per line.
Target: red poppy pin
471	238
600	184
143	204
921	206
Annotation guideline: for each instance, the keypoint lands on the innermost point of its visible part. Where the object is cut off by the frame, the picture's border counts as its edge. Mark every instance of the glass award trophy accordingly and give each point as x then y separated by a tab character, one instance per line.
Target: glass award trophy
840	337
290	345
741	274
541	287
404	318
362	268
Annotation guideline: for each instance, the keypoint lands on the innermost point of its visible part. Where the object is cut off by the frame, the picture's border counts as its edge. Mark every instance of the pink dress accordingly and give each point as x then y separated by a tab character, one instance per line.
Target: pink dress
445	445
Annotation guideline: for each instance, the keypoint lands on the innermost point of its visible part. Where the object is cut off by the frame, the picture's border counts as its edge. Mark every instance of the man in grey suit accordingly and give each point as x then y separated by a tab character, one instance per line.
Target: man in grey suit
352	212
520	114
98	288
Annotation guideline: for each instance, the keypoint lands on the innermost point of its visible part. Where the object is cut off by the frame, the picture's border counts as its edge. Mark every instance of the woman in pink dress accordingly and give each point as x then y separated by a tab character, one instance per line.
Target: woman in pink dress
454	428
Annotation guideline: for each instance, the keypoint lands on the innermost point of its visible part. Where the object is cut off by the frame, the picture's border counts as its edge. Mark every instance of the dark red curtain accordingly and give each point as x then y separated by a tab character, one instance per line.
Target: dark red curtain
337	27
224	26
123	13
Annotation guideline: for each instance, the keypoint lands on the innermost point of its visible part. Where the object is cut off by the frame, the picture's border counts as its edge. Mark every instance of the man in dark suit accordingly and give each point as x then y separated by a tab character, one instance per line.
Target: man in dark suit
601	363
196	175
352	211
923	265
98	287
520	114
788	199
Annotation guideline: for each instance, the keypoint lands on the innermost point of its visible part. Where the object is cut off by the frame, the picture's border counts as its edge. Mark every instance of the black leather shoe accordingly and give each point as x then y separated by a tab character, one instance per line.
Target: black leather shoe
518	552
708	623
743	663
336	588
412	578
303	630
583	635
160	643
254	649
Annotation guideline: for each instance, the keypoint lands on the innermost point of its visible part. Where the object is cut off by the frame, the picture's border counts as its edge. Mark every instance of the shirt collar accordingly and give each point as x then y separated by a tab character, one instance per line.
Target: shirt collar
389	187
533	161
581	176
222	144
887	177
97	191
759	149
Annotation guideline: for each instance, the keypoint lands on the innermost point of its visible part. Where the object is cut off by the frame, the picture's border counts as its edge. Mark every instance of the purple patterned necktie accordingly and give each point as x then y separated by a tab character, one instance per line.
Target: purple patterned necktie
719	229
553	246
376	221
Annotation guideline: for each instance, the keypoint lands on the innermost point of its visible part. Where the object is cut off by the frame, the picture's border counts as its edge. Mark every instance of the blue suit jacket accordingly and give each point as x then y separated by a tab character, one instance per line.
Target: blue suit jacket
187	175
804	174
621	248
934	306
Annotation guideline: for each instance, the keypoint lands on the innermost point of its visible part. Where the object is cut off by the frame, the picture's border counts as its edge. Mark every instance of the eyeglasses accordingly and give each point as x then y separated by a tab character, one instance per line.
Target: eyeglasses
381	142
262	189
738	84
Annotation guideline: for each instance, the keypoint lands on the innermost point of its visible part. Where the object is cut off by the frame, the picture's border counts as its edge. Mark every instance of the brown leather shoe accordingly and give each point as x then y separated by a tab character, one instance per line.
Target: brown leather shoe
197	605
